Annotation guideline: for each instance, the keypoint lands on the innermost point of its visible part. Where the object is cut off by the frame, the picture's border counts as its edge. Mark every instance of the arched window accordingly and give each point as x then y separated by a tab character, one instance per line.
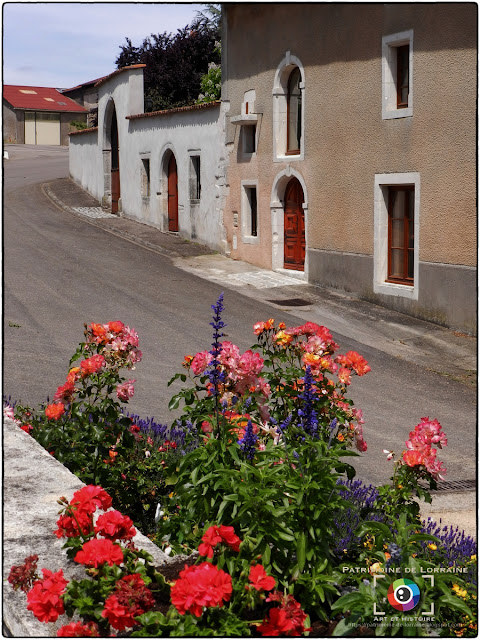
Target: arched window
294	113
289	109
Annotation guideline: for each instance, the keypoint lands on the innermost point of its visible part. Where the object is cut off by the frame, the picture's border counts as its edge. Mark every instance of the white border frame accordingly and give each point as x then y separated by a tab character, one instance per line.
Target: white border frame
380	251
389	82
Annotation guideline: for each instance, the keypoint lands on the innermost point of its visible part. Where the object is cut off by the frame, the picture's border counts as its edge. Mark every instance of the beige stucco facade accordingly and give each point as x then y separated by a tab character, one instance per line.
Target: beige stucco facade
352	146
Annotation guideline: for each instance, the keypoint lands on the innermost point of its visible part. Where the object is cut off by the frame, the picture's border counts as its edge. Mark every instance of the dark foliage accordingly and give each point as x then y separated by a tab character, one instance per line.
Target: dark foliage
174	63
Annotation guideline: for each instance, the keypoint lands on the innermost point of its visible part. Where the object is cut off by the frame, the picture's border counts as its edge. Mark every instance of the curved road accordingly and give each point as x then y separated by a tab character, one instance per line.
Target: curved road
61	272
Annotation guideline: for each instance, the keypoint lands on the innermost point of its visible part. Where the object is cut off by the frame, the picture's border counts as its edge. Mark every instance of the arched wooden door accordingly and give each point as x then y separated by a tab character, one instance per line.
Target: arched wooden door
172	194
294	227
115	168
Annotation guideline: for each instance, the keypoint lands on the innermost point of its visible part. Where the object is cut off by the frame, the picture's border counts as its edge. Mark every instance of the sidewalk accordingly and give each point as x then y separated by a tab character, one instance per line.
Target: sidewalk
446	352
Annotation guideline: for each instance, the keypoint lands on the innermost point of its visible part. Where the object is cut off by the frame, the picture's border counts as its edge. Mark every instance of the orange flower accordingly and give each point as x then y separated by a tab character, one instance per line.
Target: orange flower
283	338
72	374
260	327
116	326
187	361
282	325
344	375
54	411
341	437
98	331
311	359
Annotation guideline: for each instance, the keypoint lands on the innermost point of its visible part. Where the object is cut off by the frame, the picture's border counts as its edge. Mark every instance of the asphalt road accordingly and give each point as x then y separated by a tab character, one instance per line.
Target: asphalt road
61	272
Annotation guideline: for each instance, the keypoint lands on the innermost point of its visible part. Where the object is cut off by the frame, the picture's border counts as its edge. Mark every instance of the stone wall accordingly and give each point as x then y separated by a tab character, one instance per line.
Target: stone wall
32	483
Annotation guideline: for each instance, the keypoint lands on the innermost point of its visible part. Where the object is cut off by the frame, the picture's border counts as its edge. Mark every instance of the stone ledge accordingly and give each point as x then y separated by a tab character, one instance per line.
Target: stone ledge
32	482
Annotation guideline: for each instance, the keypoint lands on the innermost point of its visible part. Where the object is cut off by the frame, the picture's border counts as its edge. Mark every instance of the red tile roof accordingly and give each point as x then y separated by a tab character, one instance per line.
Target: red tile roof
39	99
164	112
84	84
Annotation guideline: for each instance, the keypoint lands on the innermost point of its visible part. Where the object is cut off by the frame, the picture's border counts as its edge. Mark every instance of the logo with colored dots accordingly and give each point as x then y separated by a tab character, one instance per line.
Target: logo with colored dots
403	594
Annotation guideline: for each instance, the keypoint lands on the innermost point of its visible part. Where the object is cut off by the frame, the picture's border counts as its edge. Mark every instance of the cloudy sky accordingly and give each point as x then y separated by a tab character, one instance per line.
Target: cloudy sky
60	45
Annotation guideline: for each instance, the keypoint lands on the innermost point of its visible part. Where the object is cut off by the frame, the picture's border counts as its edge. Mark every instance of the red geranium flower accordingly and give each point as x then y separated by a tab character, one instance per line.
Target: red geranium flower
91	497
44	599
131	599
71	527
115	526
213	535
288	619
23	576
54	411
210	539
229	537
259	579
98	551
79	630
202	585
278	624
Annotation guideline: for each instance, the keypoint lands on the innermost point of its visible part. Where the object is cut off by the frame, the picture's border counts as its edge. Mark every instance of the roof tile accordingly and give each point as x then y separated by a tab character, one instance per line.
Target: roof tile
39	99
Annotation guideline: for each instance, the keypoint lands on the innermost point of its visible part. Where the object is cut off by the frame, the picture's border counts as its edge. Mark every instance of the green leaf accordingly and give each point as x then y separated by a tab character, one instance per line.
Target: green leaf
455	603
285	536
301	550
221	509
349	600
346	625
174	403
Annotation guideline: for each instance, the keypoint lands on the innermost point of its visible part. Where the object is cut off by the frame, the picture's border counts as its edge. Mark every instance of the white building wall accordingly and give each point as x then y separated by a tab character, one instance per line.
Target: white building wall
85	162
187	133
184	132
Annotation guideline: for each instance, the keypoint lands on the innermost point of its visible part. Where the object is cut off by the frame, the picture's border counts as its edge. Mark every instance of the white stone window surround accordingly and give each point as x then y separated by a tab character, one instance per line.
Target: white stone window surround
280	99
246	212
195	178
277	212
389	75
248	118
145	179
245	131
380	266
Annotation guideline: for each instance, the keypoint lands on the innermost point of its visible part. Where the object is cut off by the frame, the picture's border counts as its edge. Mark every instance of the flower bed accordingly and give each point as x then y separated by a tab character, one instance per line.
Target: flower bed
256	476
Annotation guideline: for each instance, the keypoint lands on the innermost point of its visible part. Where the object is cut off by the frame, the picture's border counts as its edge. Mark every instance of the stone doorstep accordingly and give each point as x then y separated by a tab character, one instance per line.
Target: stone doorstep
32	483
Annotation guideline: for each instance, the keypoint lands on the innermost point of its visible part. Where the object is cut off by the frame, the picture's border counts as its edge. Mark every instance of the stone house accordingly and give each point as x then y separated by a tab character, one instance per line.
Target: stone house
164	168
38	115
351	141
343	151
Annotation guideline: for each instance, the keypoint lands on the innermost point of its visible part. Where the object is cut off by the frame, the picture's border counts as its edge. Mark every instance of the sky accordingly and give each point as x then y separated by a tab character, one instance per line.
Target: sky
63	44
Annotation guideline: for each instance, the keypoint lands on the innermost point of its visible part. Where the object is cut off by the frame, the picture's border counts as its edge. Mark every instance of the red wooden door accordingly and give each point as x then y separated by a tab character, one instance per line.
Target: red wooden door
115	168
294	227
172	194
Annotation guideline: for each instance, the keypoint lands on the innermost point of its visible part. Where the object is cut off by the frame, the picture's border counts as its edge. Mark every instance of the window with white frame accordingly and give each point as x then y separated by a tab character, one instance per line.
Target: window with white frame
289	109
397	75
396	240
195	183
249	134
145	177
249	212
